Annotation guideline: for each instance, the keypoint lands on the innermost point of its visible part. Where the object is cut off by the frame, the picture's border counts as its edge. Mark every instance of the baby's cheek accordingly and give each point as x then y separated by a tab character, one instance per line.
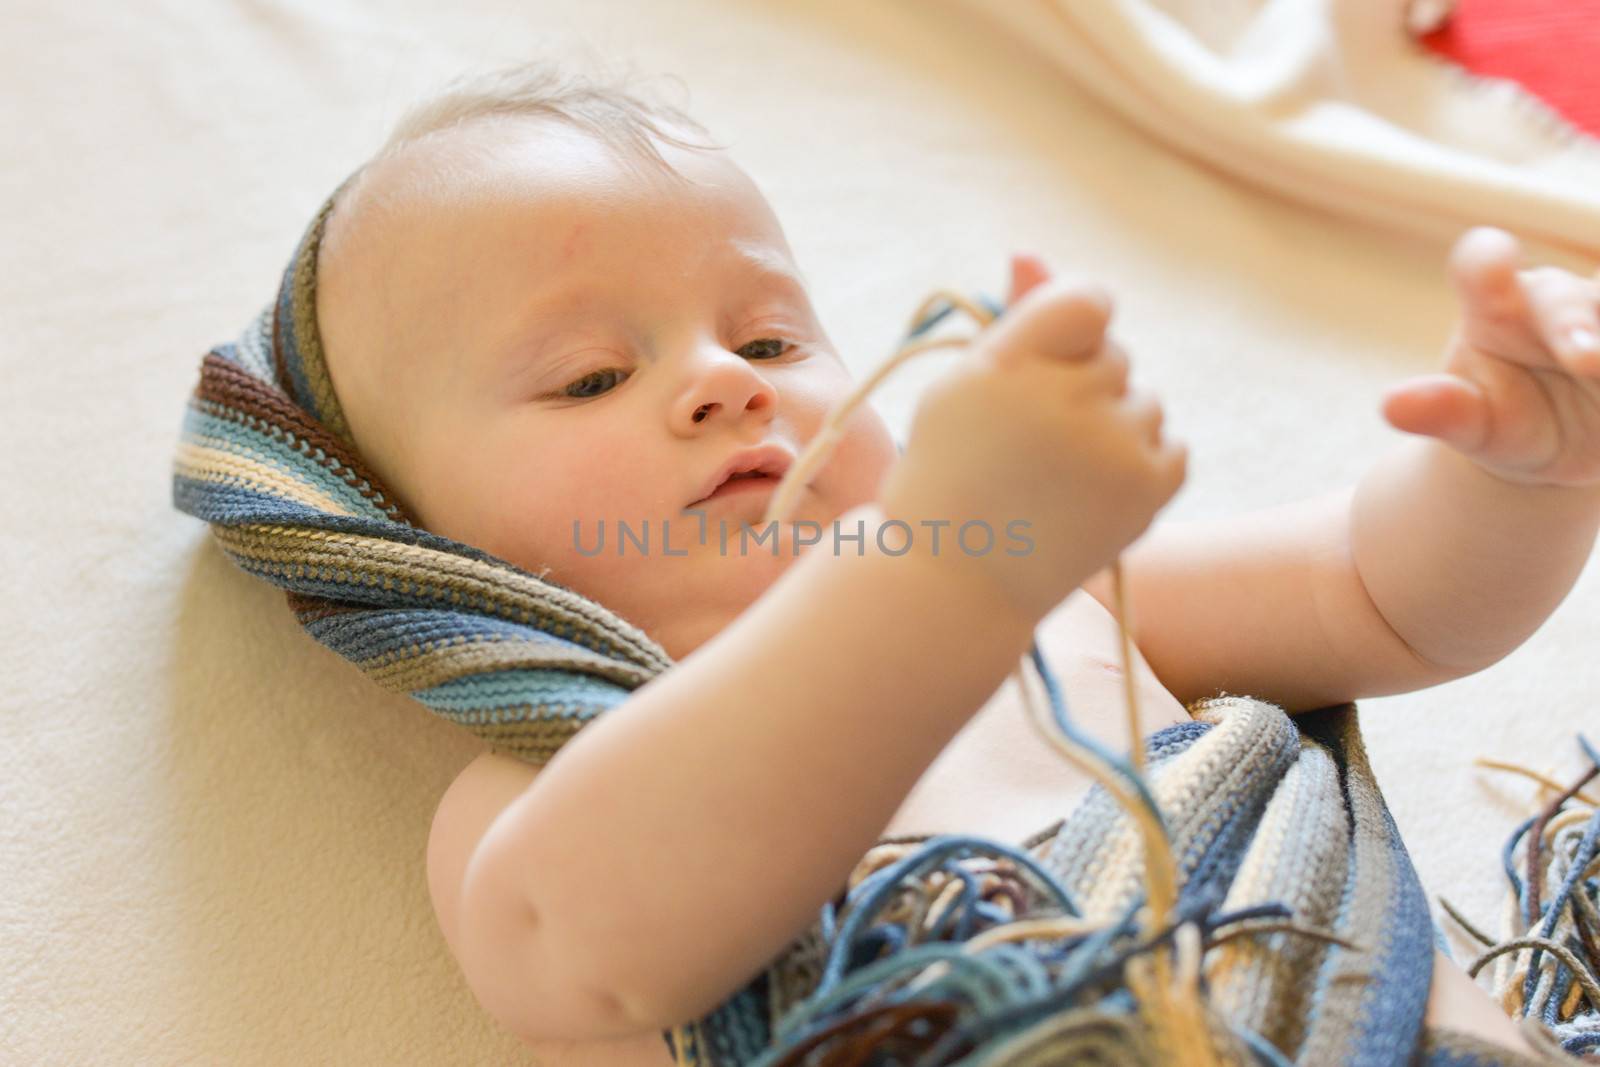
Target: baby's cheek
558	517
590	500
492	505
855	473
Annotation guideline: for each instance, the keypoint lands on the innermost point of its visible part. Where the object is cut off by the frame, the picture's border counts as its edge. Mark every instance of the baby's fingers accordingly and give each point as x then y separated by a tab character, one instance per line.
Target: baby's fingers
1147	414
1054	320
1527	316
1564	310
1446	406
1169	458
1496	312
1028	272
1174	459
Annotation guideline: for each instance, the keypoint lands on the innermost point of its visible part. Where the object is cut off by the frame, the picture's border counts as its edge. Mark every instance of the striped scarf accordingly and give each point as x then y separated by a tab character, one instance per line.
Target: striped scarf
1282	838
1274	820
266	458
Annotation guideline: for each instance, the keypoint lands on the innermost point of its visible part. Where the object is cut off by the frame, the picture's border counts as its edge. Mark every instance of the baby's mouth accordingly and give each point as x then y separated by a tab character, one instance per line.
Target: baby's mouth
748	472
741	484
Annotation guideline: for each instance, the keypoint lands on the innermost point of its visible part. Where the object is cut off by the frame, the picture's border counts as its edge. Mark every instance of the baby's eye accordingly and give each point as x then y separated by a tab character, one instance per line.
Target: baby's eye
767	347
595	384
589	380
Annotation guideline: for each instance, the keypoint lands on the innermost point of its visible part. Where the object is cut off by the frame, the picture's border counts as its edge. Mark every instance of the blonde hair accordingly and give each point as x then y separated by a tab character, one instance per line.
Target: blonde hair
599	102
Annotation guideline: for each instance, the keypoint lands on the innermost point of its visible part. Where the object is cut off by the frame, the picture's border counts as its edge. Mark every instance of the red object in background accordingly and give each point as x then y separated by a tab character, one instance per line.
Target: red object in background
1551	47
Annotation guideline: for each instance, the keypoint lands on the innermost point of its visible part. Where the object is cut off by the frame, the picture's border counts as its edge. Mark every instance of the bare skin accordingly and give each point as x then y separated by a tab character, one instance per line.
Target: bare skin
964	792
455	324
500	405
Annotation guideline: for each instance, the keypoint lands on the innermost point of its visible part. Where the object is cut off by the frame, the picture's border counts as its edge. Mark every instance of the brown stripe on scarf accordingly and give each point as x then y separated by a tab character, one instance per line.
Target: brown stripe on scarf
225	383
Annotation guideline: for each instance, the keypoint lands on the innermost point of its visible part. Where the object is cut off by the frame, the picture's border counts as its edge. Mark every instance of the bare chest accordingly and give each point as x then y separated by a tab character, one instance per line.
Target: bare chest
999	777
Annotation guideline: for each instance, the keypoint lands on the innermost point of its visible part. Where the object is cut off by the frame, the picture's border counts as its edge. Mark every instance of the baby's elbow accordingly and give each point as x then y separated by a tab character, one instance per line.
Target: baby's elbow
548	1007
521	974
504	954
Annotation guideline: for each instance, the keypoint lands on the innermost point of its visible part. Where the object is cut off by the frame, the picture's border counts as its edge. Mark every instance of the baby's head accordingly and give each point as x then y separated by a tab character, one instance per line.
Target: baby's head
542	304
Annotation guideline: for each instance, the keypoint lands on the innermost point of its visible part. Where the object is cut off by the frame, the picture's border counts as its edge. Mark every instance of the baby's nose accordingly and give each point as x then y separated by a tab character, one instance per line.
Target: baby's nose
728	388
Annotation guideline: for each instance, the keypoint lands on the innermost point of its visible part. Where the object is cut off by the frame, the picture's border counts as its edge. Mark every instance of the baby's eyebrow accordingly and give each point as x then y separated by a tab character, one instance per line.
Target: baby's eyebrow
768	266
528	345
525	345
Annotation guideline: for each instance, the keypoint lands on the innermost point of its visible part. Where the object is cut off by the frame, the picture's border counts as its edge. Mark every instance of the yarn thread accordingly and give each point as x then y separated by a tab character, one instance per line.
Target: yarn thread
1547	967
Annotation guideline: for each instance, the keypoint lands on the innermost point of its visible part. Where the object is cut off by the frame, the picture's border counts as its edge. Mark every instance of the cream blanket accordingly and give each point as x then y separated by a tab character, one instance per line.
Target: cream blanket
233	871
1333	104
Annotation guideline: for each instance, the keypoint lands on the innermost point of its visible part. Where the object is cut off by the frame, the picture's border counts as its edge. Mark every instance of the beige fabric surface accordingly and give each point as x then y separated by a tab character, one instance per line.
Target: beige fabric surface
212	830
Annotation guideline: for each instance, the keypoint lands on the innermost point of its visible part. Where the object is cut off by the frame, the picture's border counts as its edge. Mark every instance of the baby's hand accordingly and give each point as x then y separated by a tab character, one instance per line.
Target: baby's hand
1521	392
1038	425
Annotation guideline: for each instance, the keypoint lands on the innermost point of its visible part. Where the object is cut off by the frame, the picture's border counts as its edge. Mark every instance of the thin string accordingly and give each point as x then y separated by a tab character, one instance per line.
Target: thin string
1545	971
1166	987
1544	780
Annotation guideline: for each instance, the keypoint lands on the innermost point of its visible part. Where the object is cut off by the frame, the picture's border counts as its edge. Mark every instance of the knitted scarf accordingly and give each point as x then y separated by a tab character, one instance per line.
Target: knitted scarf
950	949
266	458
1282	837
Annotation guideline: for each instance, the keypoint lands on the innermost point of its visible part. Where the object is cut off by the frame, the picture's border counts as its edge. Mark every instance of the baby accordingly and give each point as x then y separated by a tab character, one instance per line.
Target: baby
555	309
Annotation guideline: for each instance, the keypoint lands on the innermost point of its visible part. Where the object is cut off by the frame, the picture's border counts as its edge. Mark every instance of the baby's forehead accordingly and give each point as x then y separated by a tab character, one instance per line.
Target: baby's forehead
559	212
511	162
455	217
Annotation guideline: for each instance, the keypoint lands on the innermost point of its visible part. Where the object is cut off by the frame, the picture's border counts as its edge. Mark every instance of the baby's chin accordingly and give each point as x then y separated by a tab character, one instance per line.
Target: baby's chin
693	573
637	568
683	601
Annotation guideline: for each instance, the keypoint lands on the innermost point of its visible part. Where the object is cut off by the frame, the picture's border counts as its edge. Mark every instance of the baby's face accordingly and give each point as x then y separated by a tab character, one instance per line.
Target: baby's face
530	333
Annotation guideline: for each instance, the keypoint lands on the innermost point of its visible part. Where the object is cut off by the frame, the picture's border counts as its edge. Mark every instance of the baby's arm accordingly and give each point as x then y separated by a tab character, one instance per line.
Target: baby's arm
674	846
1447	555
677	844
1428	569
